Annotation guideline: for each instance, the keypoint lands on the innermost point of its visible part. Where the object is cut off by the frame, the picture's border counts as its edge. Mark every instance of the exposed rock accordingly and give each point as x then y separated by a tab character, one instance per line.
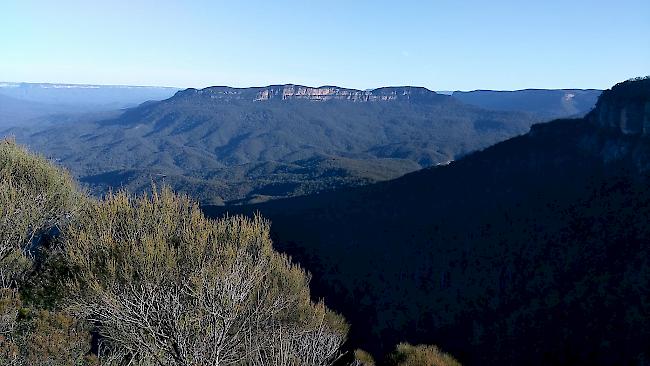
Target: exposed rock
625	107
622	117
323	93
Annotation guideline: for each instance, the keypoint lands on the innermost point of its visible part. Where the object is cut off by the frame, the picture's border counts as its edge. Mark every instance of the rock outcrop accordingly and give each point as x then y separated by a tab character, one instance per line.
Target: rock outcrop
323	93
625	107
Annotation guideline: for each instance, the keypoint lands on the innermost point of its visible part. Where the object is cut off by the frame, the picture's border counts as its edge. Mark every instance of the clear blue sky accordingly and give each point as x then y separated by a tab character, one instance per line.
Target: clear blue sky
439	44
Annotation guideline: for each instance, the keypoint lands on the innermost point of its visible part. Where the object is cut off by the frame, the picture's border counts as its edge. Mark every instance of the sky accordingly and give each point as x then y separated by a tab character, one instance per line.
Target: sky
438	44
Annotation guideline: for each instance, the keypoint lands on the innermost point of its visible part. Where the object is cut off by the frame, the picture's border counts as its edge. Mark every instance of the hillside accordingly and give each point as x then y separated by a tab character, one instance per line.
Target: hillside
543	104
533	251
229	144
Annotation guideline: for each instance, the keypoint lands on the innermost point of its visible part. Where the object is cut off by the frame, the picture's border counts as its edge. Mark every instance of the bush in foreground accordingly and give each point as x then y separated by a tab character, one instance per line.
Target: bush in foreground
35	199
408	355
44	338
421	355
363	358
169	286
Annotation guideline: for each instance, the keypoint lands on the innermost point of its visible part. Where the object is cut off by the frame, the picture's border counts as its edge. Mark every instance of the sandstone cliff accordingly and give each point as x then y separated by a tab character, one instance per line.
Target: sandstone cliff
323	93
625	107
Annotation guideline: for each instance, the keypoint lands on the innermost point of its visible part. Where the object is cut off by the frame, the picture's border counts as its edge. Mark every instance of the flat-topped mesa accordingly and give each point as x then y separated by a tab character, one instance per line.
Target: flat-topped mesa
625	107
323	93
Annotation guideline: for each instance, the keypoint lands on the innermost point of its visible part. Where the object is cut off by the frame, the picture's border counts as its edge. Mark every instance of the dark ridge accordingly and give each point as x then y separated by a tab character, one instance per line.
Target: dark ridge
531	252
625	108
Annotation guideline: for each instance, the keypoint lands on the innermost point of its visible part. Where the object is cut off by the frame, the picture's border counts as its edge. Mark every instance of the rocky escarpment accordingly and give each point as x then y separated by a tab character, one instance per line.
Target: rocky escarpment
616	131
625	107
323	93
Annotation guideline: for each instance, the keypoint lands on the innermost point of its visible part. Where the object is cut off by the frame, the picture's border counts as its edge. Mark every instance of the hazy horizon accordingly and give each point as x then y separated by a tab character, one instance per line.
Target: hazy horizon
289	83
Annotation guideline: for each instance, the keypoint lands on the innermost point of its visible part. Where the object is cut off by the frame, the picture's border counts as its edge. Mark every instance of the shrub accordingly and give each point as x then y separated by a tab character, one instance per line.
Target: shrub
9	306
363	358
35	197
170	287
420	355
39	337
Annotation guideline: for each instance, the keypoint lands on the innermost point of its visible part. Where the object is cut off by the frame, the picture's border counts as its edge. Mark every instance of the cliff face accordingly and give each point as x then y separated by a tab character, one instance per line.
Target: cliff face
625	107
323	93
616	131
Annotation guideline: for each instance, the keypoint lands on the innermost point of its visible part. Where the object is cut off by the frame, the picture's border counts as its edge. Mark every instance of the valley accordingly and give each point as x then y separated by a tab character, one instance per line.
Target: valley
227	145
324	183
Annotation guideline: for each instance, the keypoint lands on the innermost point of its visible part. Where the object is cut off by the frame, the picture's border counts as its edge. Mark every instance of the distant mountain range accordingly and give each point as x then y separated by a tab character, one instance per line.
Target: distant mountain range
240	145
99	96
225	144
545	104
531	252
42	104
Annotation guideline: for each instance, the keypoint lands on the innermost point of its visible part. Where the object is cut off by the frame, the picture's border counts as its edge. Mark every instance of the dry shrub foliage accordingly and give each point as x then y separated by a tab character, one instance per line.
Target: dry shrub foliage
45	338
171	287
35	197
362	358
421	355
406	354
